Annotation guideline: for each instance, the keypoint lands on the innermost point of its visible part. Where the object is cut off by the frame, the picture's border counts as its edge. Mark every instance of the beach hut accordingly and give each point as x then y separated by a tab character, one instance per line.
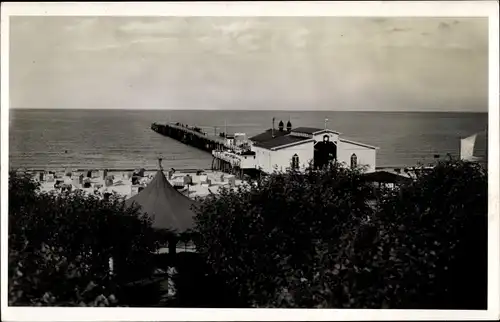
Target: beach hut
108	180
168	208
139	172
231	179
188	179
75	181
87	183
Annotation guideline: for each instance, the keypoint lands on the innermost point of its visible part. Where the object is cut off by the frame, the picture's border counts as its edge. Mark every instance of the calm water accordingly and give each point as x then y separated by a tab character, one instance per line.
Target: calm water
123	138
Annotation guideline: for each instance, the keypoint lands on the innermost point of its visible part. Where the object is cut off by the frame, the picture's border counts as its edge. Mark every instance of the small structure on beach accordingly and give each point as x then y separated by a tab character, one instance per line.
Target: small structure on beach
168	208
386	178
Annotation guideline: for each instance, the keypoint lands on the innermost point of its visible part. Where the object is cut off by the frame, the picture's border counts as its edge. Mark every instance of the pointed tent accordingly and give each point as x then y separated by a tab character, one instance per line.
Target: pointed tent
167	208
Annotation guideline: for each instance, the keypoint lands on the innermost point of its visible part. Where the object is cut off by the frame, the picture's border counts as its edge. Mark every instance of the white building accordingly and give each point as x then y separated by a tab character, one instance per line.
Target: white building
280	149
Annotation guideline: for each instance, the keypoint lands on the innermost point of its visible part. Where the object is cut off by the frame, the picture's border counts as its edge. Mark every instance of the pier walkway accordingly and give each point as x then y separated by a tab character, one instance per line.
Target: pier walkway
189	136
223	159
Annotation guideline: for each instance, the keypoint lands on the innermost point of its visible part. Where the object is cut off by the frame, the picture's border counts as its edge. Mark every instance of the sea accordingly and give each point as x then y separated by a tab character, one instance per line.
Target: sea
123	139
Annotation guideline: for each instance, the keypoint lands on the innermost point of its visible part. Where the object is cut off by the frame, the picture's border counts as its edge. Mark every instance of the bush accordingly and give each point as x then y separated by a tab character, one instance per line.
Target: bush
60	245
312	240
427	248
263	238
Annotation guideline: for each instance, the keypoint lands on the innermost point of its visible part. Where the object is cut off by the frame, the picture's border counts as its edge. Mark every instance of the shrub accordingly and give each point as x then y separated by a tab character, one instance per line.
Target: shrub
262	238
60	246
427	247
312	240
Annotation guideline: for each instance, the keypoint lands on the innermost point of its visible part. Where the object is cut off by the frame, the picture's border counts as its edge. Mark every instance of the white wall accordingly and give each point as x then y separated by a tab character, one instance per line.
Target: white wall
262	158
248	161
282	158
366	156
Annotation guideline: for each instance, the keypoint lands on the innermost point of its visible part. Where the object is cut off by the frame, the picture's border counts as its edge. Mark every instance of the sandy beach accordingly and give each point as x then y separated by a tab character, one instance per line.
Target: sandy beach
120	182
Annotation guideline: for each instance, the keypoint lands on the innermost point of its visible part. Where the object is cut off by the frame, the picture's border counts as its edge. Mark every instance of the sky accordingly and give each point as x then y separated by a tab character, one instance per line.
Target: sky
243	63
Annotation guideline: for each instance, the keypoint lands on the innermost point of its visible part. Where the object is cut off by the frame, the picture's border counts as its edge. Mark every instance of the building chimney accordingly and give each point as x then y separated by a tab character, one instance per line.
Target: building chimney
280	126
289	126
326	123
272	129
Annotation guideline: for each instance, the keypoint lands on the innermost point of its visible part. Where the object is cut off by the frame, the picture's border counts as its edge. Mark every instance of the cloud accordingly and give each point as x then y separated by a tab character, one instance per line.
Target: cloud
444	25
233	29
81	25
156	26
379	20
299	38
396	29
112	45
218	59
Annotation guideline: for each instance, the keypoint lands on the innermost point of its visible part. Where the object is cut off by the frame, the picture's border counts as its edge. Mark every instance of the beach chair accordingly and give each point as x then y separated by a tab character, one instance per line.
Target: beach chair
50	177
108	181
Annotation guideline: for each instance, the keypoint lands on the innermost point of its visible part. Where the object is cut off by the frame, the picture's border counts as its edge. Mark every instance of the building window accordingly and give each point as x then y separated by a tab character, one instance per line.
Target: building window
295	161
354	161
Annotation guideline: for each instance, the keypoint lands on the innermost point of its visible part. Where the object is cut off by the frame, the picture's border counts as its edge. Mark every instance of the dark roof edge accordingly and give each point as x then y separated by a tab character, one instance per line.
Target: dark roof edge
279	147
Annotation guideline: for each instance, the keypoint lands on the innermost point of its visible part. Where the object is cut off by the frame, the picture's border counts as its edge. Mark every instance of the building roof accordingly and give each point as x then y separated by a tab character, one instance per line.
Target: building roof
280	141
385	177
308	130
268	135
167	208
312	130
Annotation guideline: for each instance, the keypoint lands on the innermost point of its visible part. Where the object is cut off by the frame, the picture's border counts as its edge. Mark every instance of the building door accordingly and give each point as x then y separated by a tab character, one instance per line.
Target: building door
324	152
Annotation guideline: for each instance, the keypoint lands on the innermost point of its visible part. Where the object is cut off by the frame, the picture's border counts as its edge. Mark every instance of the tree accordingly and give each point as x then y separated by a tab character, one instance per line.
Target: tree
263	238
427	247
60	246
312	240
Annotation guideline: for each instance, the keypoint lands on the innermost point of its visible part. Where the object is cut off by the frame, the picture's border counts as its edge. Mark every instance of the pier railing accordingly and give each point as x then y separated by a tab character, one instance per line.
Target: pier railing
190	137
242	161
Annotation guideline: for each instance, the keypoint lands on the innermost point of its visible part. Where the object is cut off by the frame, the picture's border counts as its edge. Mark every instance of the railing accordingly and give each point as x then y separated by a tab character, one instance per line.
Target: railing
228	157
199	134
242	161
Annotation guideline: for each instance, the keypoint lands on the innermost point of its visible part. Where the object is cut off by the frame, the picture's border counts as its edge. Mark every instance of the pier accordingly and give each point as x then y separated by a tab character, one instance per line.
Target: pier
223	160
190	136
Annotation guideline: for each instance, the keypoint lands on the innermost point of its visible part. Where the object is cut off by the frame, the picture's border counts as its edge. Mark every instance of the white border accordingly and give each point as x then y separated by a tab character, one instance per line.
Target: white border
401	9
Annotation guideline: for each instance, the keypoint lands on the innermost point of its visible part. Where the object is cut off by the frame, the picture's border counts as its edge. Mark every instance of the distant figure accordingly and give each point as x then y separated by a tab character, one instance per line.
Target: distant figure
65	151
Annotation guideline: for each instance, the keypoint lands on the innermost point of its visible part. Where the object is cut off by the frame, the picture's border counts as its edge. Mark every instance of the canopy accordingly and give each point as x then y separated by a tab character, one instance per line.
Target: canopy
168	208
385	177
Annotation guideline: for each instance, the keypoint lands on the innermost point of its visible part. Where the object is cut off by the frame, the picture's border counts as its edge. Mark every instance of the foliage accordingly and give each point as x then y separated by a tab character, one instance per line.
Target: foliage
313	240
60	246
427	247
262	238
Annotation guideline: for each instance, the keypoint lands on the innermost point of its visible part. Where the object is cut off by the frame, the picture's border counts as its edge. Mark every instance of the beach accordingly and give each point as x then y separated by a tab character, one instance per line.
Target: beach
120	182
